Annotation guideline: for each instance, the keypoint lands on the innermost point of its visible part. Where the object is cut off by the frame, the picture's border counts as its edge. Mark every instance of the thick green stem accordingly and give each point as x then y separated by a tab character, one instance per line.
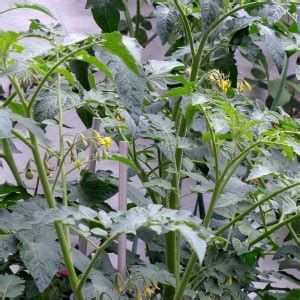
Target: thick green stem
137	19
186	26
11	161
58	227
9	99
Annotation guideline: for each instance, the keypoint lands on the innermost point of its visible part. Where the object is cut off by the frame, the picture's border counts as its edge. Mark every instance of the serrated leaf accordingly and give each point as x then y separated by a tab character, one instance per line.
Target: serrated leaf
162	220
153	274
129	86
210	10
275	47
8	246
166	21
40	253
156	67
46	104
113	43
11	286
272	12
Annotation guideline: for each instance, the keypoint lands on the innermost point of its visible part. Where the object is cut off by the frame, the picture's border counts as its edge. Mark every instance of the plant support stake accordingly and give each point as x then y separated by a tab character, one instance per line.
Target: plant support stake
122	206
82	244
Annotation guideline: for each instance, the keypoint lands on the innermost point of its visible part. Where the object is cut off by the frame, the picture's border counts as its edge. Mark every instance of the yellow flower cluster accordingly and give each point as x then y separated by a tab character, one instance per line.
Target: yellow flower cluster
103	141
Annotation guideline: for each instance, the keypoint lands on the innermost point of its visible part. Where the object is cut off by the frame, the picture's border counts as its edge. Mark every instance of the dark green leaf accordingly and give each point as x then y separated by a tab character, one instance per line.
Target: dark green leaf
166	21
106	15
94	188
275	47
210	10
80	69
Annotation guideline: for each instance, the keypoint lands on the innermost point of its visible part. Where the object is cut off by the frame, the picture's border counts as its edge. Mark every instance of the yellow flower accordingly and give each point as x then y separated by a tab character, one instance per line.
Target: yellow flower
247	85
244	85
147	290
139	295
224	84
107	142
77	164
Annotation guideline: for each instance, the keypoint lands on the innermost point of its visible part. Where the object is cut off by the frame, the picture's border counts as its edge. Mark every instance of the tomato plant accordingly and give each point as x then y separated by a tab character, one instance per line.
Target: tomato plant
191	131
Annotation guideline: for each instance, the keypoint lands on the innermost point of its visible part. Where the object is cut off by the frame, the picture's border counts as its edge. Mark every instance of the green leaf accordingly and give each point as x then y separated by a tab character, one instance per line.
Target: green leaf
210	10
37	7
106	15
46	105
162	220
40	254
272	12
166	21
94	3
112	43
10	194
94	188
129	86
275	47
123	160
8	246
11	286
153	274
80	70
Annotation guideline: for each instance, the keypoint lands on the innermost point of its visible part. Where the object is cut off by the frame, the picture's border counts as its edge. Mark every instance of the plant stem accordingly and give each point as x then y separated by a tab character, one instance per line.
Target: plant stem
273	229
137	19
9	99
128	19
294	234
11	161
50	72
58	227
99	251
186	26
253	206
281	86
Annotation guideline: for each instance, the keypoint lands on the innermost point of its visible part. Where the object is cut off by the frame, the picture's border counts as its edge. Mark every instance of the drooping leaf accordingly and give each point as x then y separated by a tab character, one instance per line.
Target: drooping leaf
162	220
129	86
35	6
106	15
153	274
275	47
166	21
272	12
11	286
40	253
80	69
113	43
